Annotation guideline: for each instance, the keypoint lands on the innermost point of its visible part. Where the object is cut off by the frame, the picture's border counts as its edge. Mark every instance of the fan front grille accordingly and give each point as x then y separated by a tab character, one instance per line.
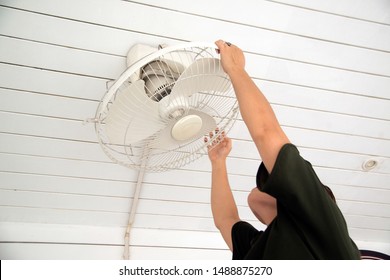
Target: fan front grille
135	118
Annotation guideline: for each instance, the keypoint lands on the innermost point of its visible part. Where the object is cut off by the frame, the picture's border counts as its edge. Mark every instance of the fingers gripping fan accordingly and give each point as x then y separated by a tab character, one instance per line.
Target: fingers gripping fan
157	112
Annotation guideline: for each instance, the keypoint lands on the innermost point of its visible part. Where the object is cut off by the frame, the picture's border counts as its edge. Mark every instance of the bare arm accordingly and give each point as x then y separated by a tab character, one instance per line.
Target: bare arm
223	206
254	107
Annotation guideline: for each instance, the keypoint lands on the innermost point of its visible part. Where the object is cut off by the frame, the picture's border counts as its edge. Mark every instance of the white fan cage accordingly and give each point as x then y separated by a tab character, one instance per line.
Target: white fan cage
218	101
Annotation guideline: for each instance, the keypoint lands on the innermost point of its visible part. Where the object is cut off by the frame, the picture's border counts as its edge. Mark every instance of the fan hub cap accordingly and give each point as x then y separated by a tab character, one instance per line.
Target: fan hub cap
187	127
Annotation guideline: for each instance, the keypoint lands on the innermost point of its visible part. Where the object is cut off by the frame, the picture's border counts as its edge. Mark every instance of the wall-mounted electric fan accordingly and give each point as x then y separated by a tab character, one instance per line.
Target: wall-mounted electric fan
155	115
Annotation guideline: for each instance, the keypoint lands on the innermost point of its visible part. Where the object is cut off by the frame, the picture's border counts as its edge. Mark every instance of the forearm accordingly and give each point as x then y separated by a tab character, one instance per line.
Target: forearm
259	117
255	109
223	205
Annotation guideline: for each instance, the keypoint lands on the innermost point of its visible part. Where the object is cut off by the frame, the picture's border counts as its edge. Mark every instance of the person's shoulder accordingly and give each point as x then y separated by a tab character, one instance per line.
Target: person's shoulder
288	154
288	148
262	174
242	228
241	224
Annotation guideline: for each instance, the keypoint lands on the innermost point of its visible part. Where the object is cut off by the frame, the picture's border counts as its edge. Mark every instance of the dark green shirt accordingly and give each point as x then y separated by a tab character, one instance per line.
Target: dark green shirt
308	225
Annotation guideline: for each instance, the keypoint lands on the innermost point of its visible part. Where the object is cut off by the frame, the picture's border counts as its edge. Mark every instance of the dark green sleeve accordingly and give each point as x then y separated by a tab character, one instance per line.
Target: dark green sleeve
243	236
293	181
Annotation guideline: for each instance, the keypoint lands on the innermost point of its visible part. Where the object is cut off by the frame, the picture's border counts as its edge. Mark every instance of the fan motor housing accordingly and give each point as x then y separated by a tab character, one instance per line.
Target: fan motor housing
159	79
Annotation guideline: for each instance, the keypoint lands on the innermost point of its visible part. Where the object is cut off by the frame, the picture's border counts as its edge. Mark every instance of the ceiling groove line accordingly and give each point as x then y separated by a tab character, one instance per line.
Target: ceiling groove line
50	94
56	71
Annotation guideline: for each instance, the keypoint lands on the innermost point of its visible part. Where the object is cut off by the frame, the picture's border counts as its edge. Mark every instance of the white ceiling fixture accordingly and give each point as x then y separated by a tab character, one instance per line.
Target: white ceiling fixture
369	164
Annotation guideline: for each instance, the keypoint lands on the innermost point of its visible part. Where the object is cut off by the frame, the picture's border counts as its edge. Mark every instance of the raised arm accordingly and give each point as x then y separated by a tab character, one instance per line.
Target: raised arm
254	107
223	206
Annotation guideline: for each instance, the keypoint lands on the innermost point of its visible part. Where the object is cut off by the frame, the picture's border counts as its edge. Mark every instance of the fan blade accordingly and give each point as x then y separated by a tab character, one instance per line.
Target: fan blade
133	116
204	75
165	141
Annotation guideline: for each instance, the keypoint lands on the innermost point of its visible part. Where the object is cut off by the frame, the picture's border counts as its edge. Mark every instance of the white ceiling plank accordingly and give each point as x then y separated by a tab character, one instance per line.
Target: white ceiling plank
111	171
354	193
39	55
142	237
75	34
374	246
124	190
61	84
52	233
353	178
149	221
365	209
322	100
103	170
66	185
21	214
47	127
174	222
238	163
94	212
62	107
365	222
50	82
317	120
45	251
328	176
100	38
248	166
284	18
147	253
66	167
370	235
46	105
62	59
374	10
338	142
176	208
323	140
250	153
342	160
63	201
320	77
39	251
47	147
292	19
63	234
108	235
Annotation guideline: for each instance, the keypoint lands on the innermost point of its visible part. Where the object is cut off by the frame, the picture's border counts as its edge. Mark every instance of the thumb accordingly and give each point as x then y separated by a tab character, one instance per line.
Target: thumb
220	44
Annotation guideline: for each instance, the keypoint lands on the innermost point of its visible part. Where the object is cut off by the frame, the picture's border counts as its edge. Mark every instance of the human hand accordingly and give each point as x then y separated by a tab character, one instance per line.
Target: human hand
220	148
232	57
